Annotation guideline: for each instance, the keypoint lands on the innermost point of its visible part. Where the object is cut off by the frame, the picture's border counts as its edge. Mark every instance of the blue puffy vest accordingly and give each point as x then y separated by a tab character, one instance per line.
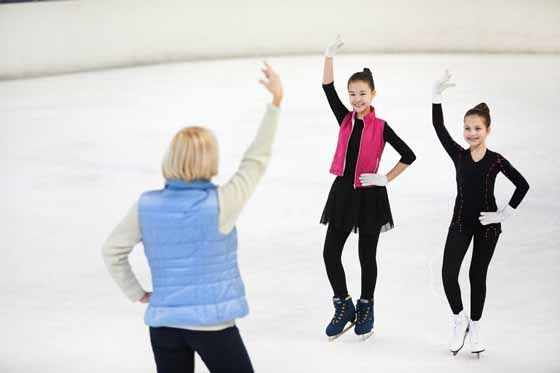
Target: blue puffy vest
195	276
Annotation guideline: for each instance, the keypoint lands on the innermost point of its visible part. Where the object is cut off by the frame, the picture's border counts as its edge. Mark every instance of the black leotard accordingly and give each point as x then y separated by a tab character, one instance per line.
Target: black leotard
475	180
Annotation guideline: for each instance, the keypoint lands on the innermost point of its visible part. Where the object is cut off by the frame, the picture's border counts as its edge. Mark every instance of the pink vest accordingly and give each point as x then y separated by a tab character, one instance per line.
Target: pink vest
371	146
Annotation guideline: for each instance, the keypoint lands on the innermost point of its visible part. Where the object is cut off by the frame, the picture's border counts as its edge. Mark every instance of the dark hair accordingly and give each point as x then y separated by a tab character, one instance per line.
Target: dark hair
482	111
364	76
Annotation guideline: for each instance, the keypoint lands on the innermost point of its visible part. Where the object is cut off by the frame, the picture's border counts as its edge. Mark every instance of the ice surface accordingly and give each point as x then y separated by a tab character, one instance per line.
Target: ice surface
77	150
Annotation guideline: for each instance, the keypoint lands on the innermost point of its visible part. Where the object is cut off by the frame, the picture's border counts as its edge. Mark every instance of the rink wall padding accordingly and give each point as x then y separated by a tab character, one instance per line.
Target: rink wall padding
45	38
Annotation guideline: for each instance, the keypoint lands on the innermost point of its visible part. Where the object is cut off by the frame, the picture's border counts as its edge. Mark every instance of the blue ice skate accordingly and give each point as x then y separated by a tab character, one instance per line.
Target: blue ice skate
364	317
344	312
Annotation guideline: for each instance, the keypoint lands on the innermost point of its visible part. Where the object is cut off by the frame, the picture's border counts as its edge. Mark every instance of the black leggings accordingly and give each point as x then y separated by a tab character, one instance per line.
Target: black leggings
221	351
332	254
455	249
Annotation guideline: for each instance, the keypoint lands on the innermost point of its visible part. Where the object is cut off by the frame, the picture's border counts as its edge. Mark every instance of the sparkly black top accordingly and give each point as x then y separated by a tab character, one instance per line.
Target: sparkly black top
475	180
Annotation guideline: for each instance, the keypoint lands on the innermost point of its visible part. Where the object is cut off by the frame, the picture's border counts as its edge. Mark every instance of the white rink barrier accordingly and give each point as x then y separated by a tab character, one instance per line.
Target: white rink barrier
67	36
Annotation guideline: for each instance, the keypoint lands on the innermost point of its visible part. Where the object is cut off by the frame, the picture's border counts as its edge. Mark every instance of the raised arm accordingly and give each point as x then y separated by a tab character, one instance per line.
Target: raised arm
328	73
450	146
234	194
337	107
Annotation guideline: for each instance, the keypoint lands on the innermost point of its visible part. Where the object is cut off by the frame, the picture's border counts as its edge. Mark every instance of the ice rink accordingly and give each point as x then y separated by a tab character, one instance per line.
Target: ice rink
77	150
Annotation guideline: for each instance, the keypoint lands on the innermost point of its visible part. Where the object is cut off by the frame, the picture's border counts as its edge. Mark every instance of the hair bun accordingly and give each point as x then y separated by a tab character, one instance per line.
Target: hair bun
481	110
482	107
364	76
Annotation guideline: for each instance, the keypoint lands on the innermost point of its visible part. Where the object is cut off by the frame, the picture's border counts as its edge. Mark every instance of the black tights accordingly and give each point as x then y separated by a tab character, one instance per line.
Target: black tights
455	249
332	254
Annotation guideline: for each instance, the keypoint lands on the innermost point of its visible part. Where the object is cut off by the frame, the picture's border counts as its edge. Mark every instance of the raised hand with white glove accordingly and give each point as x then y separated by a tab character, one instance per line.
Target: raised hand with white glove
334	47
373	179
496	216
441	85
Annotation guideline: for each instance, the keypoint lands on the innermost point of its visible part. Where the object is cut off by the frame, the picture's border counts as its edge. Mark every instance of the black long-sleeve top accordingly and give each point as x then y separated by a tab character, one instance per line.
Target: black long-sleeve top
340	111
475	180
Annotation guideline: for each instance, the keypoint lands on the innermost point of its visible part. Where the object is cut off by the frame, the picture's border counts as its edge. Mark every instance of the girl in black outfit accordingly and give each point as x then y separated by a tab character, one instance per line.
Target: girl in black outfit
475	214
352	207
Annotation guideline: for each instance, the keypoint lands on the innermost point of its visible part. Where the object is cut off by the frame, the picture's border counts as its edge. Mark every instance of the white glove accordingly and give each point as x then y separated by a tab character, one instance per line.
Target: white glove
373	179
496	217
441	85
334	47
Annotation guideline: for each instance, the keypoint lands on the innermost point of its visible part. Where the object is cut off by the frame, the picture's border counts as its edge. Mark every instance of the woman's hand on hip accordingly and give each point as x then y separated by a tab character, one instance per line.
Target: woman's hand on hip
146	297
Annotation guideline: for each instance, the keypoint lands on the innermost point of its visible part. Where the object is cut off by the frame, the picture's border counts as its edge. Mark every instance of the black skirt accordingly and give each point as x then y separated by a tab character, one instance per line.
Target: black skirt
364	209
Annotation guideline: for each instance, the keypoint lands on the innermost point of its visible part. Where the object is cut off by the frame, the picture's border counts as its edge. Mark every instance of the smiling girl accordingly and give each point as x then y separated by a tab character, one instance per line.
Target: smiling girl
358	197
475	215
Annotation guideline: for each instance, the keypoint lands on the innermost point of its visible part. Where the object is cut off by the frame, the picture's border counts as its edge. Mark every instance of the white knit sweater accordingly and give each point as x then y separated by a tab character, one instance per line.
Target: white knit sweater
232	196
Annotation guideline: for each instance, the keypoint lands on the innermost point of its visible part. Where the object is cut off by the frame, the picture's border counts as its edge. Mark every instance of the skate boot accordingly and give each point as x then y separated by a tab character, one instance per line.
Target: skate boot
459	331
364	318
344	312
477	346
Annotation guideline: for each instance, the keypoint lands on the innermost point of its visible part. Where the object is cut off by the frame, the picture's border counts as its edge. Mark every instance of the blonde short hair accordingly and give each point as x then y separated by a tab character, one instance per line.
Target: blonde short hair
192	154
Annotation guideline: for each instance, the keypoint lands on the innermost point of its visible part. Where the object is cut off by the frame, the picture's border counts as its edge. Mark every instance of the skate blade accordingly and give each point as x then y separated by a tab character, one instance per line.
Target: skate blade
342	332
456	352
460	348
365	337
477	353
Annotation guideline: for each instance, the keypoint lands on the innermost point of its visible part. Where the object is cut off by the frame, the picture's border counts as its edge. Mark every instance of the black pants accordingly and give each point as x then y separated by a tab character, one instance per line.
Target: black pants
332	254
222	351
455	249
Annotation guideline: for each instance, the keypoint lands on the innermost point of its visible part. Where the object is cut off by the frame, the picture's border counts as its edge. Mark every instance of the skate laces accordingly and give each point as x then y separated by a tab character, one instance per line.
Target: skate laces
362	312
473	332
339	310
457	323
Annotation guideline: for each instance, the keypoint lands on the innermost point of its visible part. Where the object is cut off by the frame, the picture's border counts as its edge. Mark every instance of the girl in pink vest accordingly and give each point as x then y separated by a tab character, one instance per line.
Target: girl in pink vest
358	198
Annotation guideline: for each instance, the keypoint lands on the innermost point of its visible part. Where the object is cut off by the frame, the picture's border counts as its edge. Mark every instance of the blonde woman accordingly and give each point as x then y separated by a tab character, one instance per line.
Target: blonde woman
190	241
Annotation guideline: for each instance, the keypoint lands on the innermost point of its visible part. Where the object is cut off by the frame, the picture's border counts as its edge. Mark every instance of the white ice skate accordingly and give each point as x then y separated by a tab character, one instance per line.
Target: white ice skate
477	346
459	331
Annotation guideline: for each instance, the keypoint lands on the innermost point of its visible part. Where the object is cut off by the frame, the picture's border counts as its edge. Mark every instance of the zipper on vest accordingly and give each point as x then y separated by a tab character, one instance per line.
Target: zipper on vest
359	151
346	151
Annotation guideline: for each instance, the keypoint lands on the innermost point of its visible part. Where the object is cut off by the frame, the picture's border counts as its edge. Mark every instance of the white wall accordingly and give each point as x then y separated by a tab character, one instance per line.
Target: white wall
66	36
